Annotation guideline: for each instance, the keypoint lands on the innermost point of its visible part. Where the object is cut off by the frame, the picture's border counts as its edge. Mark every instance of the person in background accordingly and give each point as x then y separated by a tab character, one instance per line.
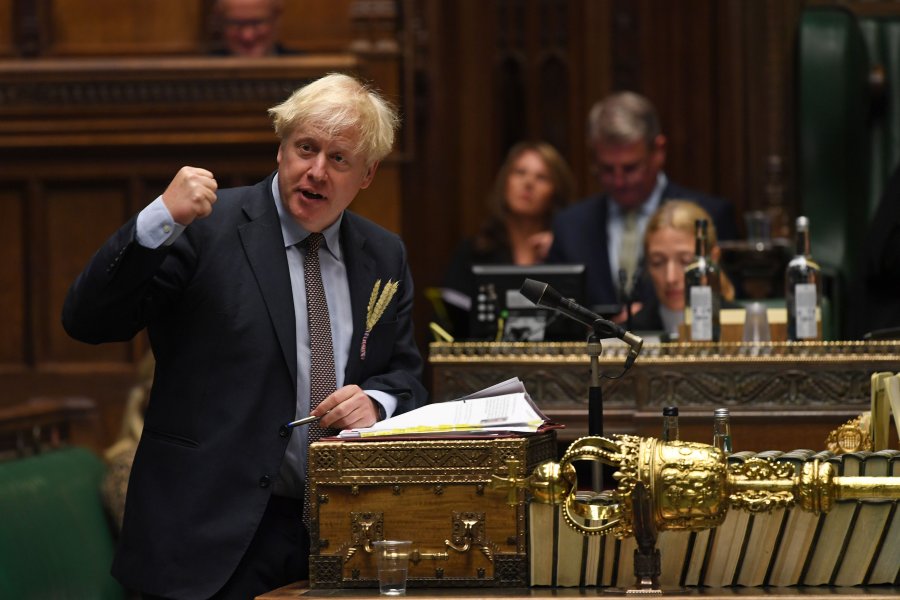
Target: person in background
604	231
249	27
533	184
257	305
669	247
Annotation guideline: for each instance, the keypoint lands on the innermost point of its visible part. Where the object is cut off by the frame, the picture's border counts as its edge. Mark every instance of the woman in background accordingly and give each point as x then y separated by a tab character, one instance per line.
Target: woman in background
533	183
668	249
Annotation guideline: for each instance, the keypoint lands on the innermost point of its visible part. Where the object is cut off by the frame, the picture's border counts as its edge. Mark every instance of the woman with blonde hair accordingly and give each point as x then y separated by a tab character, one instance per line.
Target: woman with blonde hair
669	248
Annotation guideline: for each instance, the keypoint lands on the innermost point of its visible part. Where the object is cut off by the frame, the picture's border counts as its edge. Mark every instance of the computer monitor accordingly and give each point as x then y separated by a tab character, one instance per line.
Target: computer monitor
500	311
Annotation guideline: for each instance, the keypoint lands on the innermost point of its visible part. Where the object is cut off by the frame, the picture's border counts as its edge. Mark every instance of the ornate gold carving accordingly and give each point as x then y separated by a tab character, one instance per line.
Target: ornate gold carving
512	483
761	500
690	485
325	568
833	374
440	461
365	528
562	352
852	436
468	529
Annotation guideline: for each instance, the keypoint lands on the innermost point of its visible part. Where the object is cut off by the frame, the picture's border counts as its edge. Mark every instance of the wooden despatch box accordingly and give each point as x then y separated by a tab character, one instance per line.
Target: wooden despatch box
437	494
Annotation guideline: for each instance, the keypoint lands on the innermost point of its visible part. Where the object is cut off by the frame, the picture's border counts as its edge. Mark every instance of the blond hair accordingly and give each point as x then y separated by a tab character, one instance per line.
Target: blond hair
682	215
337	104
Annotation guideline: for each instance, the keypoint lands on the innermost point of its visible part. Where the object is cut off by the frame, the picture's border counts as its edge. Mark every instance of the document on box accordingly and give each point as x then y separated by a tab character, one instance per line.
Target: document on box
505	407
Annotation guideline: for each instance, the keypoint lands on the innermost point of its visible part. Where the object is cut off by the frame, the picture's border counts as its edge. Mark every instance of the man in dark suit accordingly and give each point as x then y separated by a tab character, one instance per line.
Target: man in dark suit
249	27
218	278
605	231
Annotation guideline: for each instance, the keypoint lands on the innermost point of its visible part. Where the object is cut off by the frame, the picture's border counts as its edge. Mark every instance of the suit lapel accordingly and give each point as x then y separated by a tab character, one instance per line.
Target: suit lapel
361	278
264	247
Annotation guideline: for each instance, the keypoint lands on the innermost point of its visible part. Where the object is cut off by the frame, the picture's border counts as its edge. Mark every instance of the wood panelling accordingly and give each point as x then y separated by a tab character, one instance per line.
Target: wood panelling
113	27
71	28
73	220
319	26
13	276
676	70
147	101
7	47
371	202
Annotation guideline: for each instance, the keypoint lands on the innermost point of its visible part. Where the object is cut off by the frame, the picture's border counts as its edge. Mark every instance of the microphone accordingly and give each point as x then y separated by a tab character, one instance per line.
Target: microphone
542	294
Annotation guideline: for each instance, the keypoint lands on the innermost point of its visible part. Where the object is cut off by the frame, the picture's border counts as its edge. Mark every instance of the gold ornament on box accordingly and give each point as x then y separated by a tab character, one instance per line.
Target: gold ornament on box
377	305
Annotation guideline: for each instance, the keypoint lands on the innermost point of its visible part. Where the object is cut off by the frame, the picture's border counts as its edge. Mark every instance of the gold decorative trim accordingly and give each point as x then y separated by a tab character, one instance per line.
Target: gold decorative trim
684	353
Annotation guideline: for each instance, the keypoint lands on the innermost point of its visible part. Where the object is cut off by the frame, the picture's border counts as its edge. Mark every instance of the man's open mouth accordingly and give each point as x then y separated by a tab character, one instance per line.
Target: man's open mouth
311	195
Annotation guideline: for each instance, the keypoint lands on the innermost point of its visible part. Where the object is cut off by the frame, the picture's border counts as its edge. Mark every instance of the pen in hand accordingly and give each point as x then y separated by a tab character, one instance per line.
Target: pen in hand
304	421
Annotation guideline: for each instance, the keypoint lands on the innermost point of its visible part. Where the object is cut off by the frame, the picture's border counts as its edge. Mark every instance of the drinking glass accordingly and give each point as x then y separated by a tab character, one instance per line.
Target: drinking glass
393	563
756	323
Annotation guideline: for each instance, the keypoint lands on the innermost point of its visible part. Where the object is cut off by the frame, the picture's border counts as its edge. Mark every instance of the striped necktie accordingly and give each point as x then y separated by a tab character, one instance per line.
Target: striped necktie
629	249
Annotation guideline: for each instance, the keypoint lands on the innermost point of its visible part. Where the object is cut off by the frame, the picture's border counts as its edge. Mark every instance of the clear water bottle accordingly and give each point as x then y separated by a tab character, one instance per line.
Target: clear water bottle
670	424
802	289
702	292
722	430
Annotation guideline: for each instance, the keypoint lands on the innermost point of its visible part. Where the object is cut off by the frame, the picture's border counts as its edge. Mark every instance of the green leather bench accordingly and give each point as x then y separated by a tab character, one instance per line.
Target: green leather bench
55	538
848	134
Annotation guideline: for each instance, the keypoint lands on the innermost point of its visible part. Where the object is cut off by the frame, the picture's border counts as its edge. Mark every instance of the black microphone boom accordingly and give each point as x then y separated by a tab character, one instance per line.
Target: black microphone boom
542	294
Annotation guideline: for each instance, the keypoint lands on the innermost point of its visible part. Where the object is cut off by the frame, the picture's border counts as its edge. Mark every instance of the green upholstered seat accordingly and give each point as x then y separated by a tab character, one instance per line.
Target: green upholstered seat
55	539
849	134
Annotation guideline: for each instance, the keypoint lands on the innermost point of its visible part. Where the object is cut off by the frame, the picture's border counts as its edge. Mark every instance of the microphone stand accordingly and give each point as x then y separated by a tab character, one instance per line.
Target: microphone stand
542	294
595	405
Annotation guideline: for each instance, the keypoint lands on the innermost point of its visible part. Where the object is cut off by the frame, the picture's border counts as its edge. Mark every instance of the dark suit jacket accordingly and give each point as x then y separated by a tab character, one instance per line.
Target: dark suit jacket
219	311
579	237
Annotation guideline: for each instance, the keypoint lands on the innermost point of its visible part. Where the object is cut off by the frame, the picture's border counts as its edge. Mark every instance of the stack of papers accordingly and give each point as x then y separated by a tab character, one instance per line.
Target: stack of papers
502	408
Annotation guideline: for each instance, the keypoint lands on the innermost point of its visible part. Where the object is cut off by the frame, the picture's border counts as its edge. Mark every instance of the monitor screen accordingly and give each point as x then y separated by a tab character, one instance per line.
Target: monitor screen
500	312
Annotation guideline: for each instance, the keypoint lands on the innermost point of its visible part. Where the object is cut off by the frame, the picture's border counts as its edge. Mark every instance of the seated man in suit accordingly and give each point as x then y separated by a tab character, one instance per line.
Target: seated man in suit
249	27
256	301
605	231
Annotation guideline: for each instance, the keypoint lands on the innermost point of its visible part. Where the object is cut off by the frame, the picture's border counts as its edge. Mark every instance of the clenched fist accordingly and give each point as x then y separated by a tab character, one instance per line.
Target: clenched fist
190	195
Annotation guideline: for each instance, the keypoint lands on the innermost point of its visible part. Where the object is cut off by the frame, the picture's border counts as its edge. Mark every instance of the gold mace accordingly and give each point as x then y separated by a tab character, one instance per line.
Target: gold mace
691	486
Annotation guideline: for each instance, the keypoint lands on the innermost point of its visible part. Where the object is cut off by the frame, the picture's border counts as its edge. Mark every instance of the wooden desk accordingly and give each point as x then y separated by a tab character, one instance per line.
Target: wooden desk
782	395
300	590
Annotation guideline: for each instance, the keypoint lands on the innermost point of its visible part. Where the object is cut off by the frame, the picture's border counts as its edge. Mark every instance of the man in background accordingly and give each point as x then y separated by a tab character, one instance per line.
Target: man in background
249	27
605	231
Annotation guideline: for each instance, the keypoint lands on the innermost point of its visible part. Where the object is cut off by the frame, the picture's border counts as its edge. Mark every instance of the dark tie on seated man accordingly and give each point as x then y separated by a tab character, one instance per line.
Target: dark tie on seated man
605	231
222	280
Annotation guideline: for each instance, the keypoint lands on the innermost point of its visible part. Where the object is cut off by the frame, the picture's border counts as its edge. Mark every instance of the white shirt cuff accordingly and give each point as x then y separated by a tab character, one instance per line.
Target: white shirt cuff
156	227
388	402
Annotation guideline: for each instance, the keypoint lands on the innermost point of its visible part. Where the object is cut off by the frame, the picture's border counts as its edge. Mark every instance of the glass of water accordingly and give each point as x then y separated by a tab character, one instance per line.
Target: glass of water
393	562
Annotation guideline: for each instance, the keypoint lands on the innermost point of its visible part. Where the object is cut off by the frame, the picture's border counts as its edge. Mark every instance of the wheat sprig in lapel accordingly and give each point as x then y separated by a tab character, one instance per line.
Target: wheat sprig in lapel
377	305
